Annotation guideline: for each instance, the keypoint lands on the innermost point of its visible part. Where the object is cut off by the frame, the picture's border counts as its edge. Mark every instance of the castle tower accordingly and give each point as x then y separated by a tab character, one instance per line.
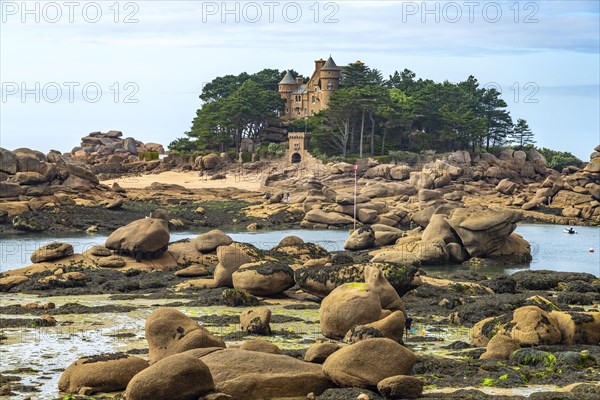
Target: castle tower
298	143
329	79
286	87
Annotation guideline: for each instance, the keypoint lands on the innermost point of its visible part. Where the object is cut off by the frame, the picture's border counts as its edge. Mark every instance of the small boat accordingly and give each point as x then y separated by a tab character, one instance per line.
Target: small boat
570	231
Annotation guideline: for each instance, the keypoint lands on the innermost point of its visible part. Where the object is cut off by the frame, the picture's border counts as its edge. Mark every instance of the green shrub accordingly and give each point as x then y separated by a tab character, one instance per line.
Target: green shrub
404	157
183	146
383	159
232	154
148	155
276	149
246	157
559	159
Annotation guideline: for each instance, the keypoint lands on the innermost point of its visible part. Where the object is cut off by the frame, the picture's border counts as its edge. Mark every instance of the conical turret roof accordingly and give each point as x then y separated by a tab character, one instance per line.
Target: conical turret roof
330	65
288	79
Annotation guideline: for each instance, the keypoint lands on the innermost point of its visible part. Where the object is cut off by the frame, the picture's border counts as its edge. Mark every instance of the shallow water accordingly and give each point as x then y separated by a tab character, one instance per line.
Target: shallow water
551	248
51	349
16	250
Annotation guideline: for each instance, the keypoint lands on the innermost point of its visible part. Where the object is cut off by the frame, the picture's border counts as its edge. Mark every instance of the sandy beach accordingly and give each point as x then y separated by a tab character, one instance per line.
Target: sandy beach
190	180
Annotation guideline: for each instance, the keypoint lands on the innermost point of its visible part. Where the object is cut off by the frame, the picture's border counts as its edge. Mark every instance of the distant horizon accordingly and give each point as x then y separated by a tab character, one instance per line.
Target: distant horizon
150	60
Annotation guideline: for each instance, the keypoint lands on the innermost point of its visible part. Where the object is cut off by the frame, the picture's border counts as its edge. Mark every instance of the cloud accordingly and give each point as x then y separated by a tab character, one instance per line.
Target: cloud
442	27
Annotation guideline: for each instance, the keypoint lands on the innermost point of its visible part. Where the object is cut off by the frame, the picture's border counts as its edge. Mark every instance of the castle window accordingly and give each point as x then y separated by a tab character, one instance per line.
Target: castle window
298	110
329	85
313	99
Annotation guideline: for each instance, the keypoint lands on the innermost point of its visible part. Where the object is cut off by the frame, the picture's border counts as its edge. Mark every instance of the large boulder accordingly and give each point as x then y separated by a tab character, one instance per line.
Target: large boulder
401	387
130	145
29	178
250	375
506	186
346	306
320	281
318	352
264	279
376	282
578	327
328	218
210	161
256	321
177	377
52	251
10	189
148	237
399	257
391	327
386	235
169	331
290	240
500	347
360	239
427	195
261	346
400	172
101	373
8	161
368	362
531	325
76	169
367	215
209	241
483	231
230	259
515	249
432	252
538	160
439	229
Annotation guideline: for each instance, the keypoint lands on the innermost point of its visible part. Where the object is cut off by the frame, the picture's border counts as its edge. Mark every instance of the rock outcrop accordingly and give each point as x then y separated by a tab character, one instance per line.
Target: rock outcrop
250	375
264	278
169	331
368	362
101	373
143	238
31	173
482	231
346	306
177	377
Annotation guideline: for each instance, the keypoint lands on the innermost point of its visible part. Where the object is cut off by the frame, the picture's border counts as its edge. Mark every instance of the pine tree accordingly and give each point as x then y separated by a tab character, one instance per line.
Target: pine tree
521	134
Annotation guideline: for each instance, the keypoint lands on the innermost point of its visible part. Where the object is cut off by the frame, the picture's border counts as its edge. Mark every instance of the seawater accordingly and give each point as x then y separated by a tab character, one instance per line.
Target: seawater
550	247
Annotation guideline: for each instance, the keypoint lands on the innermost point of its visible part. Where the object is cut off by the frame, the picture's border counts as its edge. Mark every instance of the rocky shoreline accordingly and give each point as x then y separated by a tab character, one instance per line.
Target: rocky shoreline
242	320
532	329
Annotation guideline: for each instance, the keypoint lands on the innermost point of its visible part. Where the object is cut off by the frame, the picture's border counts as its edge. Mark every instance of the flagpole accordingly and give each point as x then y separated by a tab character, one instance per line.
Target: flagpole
355	169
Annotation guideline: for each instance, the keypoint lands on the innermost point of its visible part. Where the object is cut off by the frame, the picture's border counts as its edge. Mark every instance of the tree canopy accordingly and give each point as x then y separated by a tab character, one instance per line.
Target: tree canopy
406	113
234	107
368	115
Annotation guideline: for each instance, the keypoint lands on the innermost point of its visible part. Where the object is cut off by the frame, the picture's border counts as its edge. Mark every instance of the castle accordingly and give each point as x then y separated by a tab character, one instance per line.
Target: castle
307	99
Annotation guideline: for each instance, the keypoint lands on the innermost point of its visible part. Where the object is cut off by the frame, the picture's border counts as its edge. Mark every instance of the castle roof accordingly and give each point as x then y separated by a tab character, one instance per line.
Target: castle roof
288	79
330	65
300	89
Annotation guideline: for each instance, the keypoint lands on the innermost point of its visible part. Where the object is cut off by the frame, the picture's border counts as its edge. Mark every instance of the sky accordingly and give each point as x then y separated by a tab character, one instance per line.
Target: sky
68	68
